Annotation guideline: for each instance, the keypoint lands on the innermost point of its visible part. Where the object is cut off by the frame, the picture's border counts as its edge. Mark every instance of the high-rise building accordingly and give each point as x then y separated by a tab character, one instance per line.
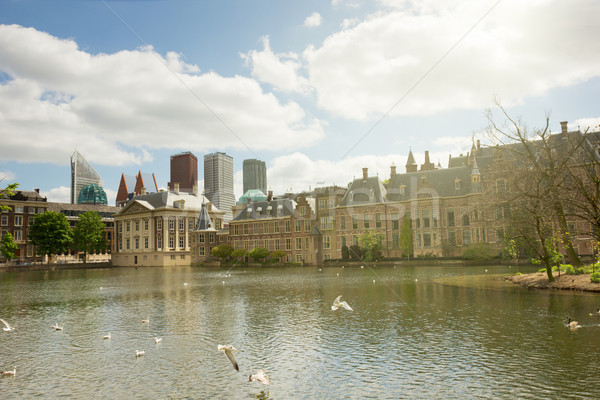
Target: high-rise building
255	175
218	182
82	174
184	170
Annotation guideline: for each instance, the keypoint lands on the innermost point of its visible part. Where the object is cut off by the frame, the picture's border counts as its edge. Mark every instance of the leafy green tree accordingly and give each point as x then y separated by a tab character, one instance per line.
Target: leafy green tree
89	233
8	247
222	251
372	245
345	253
355	252
7	192
259	253
406	244
479	252
51	233
278	254
237	253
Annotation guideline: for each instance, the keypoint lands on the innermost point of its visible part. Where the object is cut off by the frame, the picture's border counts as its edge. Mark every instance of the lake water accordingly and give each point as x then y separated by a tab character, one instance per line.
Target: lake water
414	332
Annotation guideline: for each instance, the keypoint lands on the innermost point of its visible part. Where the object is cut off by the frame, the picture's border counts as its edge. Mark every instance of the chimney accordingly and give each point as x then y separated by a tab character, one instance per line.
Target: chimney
478	144
143	190
563	127
195	190
37	190
270	195
365	173
393	171
176	187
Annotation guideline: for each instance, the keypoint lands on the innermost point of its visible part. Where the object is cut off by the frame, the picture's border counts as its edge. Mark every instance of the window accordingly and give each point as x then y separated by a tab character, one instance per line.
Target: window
457	184
201	250
4	220
306	225
137	243
323	223
127	226
276	229
288	244
40	210
127	244
159	243
426	239
245	229
466	237
426	221
342	222
171	242
31	210
18	235
302	210
266	227
366	218
18	210
236	230
181	225
298	226
343	241
434	216
276	244
159	224
18	220
450	216
146	224
287	225
298	243
298	258
145	242
452	238
201	238
137	226
321	204
326	242
190	224
354	222
171	224
395	240
417	219
181	242
465	217
330	203
395	222
354	240
30	221
377	220
418	239
500	186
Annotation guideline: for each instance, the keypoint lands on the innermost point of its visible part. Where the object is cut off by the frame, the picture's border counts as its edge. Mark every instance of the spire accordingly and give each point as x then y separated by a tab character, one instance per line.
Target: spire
411	165
475	170
204	222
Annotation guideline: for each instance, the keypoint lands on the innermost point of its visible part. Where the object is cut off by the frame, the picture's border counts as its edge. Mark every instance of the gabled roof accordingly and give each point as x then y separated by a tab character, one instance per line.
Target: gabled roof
365	191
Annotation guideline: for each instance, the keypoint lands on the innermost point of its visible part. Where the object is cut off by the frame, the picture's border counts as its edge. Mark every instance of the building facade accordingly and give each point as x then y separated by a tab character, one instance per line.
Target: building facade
218	182
255	175
184	171
82	174
154	229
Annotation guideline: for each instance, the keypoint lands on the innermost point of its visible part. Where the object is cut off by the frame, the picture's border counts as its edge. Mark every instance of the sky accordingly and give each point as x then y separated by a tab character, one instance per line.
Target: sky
316	89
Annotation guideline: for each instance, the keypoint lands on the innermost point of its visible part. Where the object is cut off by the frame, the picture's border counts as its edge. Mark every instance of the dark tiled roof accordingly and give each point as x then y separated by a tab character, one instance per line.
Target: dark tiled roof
364	191
267	209
204	222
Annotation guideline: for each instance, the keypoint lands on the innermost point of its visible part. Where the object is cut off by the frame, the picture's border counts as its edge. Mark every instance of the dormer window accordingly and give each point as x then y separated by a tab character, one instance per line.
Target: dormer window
371	195
350	197
457	184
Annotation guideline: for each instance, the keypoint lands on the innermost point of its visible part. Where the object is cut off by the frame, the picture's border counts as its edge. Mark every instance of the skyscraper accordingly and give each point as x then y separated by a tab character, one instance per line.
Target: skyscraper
255	175
82	174
184	170
218	182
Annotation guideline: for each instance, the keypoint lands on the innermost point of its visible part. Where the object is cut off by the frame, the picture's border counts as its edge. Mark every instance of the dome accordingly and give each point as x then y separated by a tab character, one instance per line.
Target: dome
92	194
253	195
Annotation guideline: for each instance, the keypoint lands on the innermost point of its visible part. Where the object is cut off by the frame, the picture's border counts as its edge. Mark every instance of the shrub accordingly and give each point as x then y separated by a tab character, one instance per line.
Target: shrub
568	269
582	270
518	273
479	252
542	270
595	277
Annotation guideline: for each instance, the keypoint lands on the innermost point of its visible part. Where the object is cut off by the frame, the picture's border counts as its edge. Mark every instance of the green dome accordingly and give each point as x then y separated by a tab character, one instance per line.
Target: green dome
253	195
92	194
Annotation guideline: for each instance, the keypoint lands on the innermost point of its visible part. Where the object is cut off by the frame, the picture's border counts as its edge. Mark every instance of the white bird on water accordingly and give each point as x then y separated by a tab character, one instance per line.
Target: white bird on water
229	349
107	336
7	327
12	372
146	321
140	353
260	376
157	340
337	303
57	327
572	324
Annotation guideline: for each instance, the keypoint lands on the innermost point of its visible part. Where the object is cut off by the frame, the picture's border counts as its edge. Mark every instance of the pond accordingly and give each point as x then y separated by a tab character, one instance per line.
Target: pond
413	332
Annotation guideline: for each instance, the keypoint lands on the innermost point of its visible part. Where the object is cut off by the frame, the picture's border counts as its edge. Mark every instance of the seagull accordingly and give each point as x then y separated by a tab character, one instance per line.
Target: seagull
7	327
157	339
229	349
146	321
12	372
573	324
260	376
57	327
140	353
107	336
337	303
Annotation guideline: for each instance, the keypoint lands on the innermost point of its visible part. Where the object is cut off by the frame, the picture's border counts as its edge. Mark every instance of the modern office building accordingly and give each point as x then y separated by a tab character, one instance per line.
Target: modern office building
82	174
255	175
184	171
218	182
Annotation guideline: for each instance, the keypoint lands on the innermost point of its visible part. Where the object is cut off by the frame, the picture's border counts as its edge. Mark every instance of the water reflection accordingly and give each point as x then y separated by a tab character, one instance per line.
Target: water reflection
413	333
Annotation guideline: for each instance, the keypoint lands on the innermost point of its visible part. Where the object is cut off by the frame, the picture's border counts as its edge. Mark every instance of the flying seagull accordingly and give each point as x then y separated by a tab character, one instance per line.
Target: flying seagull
337	303
7	327
260	376
12	372
229	349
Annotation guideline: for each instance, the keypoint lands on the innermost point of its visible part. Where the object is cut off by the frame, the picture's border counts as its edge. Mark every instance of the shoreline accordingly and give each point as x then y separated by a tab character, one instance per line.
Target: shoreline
539	280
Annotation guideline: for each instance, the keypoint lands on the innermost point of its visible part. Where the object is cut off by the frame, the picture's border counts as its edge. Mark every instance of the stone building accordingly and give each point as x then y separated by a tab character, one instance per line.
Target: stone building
154	229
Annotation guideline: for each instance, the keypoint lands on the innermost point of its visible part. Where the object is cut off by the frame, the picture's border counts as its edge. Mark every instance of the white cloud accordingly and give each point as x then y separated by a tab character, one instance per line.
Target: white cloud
6	178
313	20
282	71
62	194
116	108
349	23
518	50
586	125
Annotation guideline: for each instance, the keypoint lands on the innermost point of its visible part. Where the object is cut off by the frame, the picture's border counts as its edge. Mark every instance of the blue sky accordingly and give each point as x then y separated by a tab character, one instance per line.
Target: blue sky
316	89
